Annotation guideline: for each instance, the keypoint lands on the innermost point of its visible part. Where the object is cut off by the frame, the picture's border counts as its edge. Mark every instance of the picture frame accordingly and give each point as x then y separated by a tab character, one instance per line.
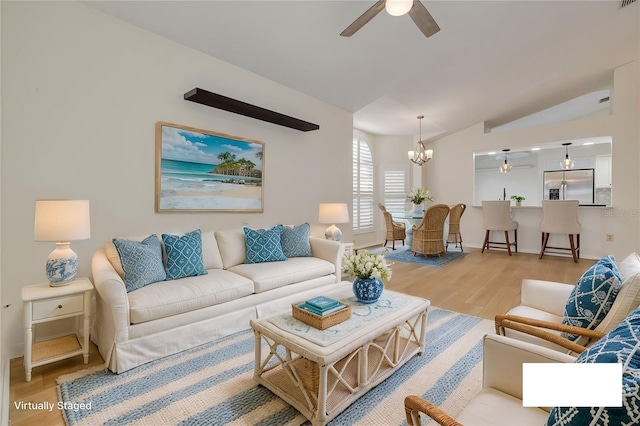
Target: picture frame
205	171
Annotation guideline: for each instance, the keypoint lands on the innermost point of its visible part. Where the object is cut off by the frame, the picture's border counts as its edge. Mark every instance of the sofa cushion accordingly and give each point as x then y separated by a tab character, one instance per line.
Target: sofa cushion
295	241
141	261
169	298
263	245
269	275
184	255
232	247
490	405
211	257
620	345
592	298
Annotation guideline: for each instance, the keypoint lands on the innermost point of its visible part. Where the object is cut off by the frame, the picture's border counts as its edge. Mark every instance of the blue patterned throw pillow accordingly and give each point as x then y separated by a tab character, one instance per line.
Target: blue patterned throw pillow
591	298
141	261
610	262
263	245
295	241
620	345
184	255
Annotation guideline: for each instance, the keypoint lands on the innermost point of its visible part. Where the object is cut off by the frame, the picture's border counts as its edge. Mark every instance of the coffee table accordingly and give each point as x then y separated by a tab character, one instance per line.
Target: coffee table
322	372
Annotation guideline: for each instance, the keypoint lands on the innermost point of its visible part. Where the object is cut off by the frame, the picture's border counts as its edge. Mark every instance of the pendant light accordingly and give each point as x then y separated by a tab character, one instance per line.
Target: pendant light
506	167
421	155
567	163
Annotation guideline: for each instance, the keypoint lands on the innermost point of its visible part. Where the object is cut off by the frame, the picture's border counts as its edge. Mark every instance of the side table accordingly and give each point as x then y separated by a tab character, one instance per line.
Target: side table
43	303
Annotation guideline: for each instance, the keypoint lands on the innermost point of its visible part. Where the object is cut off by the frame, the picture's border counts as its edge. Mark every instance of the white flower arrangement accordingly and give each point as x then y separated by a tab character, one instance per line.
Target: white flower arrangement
366	265
418	195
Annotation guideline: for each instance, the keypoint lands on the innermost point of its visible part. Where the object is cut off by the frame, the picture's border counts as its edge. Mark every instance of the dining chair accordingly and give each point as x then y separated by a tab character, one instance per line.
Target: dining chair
496	216
428	237
561	217
455	214
395	230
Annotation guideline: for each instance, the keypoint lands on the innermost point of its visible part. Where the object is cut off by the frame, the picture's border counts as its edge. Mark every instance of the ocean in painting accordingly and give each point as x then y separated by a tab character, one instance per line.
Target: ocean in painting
191	186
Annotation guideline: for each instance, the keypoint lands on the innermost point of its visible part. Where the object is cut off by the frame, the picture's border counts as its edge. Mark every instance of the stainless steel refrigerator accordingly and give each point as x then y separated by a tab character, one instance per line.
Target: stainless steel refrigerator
574	184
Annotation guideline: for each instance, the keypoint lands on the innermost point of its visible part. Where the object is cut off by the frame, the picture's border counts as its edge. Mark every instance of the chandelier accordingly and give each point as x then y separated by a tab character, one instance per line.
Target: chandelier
506	167
420	155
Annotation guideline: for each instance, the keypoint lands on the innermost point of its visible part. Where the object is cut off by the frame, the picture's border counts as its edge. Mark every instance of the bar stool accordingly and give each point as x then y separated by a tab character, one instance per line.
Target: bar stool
561	217
496	216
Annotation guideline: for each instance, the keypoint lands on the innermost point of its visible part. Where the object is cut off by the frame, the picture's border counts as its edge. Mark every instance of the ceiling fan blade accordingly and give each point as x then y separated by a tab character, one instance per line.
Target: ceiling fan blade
363	19
423	19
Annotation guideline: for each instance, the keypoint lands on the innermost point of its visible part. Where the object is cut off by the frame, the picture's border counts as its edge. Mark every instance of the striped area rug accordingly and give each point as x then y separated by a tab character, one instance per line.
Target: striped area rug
213	384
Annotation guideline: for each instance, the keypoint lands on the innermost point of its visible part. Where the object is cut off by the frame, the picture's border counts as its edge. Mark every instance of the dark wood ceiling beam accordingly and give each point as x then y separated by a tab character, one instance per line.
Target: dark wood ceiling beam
216	100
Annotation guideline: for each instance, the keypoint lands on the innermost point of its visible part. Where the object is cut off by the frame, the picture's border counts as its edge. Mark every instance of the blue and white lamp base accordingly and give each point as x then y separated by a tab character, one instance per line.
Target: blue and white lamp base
62	265
333	233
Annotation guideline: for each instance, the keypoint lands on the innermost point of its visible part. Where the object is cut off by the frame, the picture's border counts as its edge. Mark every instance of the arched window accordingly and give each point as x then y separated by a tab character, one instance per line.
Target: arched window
362	185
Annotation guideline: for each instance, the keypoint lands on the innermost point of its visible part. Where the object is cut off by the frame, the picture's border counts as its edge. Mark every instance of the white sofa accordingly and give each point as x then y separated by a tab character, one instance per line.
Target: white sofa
167	317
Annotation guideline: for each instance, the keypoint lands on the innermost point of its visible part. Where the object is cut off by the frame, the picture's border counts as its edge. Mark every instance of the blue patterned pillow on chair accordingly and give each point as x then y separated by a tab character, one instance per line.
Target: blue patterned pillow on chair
620	345
141	261
263	245
184	255
591	298
295	241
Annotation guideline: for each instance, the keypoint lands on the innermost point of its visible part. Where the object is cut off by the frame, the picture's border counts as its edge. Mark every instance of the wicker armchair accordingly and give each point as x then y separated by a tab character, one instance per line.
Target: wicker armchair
428	237
455	214
395	230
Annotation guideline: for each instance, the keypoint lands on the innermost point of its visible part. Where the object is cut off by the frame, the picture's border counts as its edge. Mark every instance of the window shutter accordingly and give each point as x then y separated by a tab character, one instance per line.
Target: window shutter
395	190
362	186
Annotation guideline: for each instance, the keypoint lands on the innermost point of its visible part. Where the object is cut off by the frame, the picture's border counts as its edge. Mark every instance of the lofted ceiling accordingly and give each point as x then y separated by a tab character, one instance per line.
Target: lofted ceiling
492	61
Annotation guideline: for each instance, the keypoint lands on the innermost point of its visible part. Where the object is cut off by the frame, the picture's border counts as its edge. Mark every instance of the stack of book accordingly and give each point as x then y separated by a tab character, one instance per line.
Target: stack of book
321	305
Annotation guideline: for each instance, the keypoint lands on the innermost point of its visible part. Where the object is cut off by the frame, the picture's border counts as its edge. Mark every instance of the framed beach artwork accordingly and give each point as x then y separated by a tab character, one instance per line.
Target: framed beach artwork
203	171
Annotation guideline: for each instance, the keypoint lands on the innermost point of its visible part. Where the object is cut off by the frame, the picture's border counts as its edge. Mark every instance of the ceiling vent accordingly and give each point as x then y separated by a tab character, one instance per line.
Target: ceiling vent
625	3
603	100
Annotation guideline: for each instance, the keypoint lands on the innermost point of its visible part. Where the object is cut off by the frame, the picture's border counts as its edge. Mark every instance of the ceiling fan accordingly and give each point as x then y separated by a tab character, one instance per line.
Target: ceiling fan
415	8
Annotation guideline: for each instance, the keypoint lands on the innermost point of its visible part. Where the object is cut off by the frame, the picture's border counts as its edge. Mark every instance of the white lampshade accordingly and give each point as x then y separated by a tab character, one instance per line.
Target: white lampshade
62	221
398	7
333	213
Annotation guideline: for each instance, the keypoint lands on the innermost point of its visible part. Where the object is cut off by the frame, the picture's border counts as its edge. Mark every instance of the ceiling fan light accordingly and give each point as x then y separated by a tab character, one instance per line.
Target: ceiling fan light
398	7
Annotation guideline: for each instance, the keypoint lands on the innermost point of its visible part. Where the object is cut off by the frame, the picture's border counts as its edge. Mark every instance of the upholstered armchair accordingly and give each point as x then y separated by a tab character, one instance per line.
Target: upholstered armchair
500	400
539	316
428	237
395	230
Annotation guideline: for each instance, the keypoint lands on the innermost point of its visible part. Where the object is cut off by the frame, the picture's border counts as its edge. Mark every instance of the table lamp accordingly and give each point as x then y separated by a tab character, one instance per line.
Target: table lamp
333	213
62	221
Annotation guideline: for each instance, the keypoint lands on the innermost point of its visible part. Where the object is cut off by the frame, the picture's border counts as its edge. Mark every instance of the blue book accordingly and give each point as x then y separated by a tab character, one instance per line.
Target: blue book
315	311
322	303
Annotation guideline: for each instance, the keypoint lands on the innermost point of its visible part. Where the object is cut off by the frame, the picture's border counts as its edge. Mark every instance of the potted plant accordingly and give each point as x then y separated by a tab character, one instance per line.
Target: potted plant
369	270
518	198
417	197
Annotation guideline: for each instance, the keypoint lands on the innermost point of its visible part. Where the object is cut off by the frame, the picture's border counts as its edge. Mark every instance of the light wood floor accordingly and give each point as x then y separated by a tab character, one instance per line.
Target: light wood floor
480	284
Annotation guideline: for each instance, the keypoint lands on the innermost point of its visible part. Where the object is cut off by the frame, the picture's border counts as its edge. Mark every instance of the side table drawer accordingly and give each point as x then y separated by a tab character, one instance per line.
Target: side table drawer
57	307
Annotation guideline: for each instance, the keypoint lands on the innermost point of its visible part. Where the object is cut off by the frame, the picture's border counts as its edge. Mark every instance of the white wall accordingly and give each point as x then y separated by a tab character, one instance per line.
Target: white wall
4	355
450	173
82	92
